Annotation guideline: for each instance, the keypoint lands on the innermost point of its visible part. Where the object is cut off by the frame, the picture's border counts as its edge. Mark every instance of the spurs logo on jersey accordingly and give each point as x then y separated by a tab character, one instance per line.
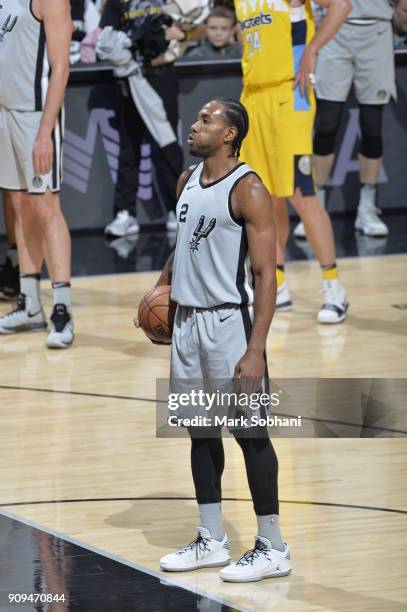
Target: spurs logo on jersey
201	232
212	263
7	26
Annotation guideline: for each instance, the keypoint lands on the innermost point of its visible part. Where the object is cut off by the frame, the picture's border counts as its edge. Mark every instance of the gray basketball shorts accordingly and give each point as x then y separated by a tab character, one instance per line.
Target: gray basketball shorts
18	131
207	344
362	55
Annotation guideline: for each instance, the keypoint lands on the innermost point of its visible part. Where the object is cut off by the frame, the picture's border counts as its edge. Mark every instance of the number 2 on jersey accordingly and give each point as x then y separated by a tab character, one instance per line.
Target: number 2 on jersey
254	42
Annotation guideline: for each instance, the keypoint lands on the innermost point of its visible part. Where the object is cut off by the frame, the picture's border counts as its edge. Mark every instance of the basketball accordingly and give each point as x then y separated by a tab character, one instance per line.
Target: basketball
156	313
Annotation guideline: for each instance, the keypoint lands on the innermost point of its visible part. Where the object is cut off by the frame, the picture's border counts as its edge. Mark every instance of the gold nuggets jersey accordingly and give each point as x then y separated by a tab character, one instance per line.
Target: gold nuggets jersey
273	39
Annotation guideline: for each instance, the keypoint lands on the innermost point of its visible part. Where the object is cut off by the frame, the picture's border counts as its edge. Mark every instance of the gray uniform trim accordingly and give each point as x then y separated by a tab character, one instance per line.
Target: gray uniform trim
18	131
206	345
362	56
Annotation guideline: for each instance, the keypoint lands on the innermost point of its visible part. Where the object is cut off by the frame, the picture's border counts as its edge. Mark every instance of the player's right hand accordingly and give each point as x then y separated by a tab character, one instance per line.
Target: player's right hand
43	153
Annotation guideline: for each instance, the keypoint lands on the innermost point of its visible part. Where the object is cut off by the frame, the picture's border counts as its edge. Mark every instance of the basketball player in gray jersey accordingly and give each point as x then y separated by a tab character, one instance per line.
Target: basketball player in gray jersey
223	277
362	53
35	38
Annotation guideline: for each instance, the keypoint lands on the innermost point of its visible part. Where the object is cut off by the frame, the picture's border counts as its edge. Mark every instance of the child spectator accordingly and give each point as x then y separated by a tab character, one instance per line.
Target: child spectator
220	43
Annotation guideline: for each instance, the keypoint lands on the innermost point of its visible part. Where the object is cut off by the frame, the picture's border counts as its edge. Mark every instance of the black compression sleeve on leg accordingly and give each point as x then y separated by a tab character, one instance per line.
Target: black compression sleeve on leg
371	122
262	471
327	122
207	463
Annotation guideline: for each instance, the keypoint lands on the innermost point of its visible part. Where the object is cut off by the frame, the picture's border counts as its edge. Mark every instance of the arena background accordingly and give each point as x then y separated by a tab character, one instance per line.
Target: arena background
92	143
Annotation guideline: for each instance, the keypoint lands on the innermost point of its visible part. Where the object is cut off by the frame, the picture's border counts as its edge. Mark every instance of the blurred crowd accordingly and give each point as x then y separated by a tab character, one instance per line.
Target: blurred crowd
203	29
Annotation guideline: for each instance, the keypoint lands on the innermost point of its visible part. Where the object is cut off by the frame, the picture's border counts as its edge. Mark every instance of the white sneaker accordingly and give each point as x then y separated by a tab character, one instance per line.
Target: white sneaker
335	304
283	301
299	231
123	225
22	318
263	561
368	222
204	551
61	335
171	224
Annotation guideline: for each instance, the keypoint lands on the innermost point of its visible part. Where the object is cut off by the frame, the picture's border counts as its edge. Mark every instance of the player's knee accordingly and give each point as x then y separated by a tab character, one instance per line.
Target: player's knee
327	124
371	119
47	211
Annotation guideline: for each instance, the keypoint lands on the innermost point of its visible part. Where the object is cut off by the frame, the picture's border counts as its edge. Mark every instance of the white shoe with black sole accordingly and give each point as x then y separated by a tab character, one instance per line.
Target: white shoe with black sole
61	335
335	305
22	318
204	551
263	561
283	302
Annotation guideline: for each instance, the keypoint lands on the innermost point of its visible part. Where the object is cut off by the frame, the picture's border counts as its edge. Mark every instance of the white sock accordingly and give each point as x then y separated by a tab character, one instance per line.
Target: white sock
269	527
30	286
211	518
368	195
61	293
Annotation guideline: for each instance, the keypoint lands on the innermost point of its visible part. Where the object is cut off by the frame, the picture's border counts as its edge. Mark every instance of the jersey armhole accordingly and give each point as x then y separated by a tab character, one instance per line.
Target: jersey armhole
33	15
236	220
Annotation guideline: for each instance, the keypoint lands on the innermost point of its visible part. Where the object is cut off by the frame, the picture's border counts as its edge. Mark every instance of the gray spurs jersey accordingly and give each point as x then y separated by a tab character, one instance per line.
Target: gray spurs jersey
23	57
212	263
371	9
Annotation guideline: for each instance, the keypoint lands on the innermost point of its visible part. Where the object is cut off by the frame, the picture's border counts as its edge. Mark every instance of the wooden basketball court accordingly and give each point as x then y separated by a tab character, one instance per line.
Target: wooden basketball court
78	451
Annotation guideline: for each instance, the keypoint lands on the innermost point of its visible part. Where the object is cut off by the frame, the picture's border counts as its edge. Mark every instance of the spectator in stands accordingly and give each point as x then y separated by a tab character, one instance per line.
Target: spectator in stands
220	32
154	50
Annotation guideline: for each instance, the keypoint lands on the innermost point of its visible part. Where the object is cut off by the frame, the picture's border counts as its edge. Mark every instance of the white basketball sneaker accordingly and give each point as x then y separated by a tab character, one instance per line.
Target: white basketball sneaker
61	335
123	225
368	222
22	318
299	231
204	551
283	301
335	305
263	561
171	224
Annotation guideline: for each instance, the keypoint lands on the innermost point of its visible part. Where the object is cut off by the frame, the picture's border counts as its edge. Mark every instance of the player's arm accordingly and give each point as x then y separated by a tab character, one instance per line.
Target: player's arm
252	203
56	17
335	16
400	16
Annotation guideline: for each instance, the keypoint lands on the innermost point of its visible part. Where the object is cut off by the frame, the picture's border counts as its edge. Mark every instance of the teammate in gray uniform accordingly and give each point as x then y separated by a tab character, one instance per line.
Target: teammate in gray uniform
361	53
223	276
35	37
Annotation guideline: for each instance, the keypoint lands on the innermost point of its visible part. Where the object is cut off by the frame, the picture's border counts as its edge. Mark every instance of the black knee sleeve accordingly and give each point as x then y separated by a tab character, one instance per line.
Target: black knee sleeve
327	122
371	121
262	472
207	464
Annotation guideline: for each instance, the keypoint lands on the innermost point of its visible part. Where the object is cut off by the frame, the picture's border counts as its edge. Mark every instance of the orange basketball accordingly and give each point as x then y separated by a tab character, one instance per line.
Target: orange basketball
156	314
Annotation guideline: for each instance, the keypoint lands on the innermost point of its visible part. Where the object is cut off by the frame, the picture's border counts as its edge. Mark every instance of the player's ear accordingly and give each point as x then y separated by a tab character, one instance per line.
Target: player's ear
230	134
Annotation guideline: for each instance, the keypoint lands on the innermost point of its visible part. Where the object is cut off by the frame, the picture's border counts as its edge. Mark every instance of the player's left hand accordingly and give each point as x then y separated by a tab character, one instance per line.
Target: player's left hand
305	78
43	153
250	371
